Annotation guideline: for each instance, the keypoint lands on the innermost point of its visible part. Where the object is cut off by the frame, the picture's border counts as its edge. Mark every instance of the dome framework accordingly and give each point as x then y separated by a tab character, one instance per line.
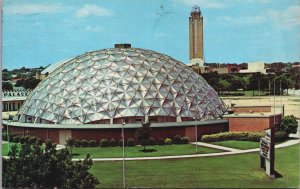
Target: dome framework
119	83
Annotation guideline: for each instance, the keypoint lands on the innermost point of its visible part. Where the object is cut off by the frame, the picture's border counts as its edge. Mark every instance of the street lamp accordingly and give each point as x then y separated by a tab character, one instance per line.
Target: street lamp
123	142
196	134
7	133
274	96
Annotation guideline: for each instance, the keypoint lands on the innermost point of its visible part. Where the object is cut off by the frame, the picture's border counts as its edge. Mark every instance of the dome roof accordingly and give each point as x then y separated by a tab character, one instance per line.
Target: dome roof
121	82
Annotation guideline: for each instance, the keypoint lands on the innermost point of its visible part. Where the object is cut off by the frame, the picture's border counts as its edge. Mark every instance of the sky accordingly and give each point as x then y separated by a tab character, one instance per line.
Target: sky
38	33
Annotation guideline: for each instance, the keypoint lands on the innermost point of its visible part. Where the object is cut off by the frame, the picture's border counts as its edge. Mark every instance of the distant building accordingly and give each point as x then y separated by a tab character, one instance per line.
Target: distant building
255	67
196	41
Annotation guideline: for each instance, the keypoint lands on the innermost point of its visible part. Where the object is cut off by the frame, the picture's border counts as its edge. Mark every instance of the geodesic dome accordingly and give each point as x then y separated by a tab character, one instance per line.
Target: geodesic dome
118	83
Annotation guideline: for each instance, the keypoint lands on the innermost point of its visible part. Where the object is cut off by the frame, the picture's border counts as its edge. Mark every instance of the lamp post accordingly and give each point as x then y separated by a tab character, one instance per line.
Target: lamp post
269	90
259	90
7	133
123	142
274	97
196	134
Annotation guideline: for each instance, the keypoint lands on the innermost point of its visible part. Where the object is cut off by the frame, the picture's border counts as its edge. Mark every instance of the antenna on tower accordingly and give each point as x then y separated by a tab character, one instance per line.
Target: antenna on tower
196	9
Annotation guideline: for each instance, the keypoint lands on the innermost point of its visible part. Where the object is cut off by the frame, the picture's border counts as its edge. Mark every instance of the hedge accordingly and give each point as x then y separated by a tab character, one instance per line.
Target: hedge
281	136
168	141
160	141
92	143
130	142
113	142
104	142
244	136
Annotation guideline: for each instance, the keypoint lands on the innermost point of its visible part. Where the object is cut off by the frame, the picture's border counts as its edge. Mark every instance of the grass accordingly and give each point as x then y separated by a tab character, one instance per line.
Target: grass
243	145
115	152
234	171
5	147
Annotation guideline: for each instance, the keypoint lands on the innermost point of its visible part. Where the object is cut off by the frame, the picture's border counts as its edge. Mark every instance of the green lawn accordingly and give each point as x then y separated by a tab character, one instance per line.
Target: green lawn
243	145
166	150
234	171
5	147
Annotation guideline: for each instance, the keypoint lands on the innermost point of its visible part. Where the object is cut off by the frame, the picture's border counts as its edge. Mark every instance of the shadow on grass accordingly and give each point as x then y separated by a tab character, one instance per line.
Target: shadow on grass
148	150
75	154
278	175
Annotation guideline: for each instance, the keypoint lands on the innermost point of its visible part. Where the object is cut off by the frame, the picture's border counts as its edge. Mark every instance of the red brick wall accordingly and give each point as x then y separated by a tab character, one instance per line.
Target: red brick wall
38	132
98	134
254	124
247	109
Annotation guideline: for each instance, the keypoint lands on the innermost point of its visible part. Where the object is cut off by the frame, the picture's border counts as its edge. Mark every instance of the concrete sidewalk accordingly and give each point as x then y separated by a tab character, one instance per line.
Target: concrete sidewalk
232	152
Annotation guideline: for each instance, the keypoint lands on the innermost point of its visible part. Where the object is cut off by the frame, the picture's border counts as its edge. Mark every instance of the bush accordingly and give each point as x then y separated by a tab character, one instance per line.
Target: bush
184	140
39	142
104	142
281	136
92	143
84	143
32	140
242	136
77	143
11	137
152	141
113	142
70	142
4	136
16	139
160	141
168	141
48	142
27	139
177	139
289	124
121	143
130	142
22	140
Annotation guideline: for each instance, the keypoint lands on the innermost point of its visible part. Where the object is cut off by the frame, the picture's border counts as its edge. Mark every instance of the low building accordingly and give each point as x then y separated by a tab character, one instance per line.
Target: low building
255	67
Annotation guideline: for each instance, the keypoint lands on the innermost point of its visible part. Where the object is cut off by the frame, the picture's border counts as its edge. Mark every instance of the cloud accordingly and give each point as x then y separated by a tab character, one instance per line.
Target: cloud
27	9
287	18
282	19
244	20
92	10
92	28
203	3
160	34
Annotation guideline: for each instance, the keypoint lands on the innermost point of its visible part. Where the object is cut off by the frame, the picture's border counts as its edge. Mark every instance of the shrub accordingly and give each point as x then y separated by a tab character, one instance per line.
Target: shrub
177	139
48	141
168	141
70	142
121	143
27	139
289	124
104	142
130	142
22	139
16	139
39	142
152	141
32	140
160	141
84	143
11	137
281	136
243	136
4	136
184	140
113	142
92	143
77	143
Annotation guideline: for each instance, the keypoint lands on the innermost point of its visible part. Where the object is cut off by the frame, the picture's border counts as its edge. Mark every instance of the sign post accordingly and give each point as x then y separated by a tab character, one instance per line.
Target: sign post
267	152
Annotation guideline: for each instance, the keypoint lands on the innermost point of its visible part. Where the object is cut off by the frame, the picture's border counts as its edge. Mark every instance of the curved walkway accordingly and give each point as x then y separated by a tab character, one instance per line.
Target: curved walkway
231	151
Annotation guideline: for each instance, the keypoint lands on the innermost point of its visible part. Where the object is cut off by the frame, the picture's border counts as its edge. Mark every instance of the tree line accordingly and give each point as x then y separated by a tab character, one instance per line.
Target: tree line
254	82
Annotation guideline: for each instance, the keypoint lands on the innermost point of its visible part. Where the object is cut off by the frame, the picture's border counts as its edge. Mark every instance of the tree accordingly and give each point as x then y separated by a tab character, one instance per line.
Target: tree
7	86
143	134
32	167
289	124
